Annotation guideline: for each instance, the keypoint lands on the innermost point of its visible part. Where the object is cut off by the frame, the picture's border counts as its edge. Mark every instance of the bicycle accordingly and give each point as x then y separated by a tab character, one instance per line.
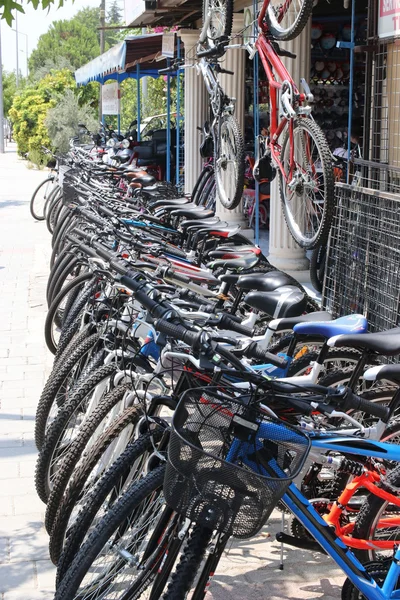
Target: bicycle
296	146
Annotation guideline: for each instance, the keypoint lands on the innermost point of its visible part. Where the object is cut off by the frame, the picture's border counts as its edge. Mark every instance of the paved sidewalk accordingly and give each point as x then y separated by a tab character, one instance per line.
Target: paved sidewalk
248	571
26	572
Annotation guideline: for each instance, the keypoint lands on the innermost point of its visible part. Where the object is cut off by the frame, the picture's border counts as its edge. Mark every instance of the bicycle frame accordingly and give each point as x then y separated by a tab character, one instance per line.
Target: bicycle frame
317	526
291	96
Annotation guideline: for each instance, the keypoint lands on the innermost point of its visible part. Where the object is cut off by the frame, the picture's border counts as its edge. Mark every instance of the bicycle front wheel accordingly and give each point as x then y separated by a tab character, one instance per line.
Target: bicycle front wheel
229	163
218	14
39	198
307	189
286	20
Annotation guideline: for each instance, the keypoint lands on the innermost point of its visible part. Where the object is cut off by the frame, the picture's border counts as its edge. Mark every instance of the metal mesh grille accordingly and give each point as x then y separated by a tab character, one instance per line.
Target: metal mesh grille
380	161
363	264
209	477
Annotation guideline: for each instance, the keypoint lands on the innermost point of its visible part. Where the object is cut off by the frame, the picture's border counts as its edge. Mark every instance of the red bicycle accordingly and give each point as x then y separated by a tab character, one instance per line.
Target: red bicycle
296	146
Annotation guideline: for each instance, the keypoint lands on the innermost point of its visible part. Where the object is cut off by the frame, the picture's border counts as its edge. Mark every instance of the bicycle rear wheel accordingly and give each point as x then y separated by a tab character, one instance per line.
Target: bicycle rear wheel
229	163
286	20
307	190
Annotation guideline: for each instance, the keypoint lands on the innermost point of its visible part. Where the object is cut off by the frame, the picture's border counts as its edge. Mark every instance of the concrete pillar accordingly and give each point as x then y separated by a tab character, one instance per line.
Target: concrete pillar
196	111
234	87
284	253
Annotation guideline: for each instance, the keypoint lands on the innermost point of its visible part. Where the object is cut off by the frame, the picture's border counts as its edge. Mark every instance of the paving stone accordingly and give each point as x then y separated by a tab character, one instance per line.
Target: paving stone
4	550
26	504
17	576
45	572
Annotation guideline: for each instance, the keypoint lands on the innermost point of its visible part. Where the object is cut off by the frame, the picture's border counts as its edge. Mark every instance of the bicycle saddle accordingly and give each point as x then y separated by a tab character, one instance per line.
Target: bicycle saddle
262	282
225	252
289	323
386	343
193	213
144	180
170	202
390	372
247	261
194	223
351	324
286	301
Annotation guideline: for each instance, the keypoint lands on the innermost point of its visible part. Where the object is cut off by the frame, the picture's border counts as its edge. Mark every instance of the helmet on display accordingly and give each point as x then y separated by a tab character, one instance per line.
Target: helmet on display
328	41
316	31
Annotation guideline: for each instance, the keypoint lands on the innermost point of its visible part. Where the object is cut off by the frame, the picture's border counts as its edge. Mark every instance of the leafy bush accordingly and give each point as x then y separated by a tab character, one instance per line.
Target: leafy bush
29	110
62	120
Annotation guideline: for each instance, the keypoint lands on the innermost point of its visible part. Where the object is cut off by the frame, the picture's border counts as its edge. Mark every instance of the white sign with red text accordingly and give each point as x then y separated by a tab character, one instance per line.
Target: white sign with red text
110	99
389	18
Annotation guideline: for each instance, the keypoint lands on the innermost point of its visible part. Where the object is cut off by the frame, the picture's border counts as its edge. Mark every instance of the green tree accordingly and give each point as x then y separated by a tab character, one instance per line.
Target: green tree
114	15
29	111
71	40
9	90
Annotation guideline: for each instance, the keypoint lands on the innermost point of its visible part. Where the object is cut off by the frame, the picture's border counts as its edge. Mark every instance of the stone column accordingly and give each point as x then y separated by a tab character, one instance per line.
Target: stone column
196	111
234	87
284	253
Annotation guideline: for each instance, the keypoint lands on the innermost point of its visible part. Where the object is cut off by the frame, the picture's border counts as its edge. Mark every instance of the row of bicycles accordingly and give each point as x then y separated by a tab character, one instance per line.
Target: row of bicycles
194	390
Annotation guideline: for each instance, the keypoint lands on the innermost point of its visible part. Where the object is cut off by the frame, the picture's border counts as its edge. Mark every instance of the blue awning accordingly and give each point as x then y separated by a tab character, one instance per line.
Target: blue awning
120	61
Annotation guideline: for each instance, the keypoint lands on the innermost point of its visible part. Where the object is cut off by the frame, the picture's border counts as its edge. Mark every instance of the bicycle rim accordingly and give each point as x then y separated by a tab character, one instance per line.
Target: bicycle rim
230	163
219	14
286	20
307	191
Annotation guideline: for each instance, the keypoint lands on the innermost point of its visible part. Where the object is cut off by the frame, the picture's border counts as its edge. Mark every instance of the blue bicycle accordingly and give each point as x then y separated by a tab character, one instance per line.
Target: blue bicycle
230	462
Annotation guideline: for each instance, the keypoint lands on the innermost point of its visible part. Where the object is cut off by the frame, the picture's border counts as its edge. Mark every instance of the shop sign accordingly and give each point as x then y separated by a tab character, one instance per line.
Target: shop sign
389	18
168	45
133	10
110	99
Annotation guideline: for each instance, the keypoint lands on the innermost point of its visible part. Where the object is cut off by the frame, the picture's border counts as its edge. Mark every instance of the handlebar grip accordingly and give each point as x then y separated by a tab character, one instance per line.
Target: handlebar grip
167	70
253	351
179	332
227	322
95	219
141	293
371	408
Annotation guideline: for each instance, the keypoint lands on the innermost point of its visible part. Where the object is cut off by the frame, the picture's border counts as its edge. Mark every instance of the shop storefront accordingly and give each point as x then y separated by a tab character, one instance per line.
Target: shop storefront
363	272
331	56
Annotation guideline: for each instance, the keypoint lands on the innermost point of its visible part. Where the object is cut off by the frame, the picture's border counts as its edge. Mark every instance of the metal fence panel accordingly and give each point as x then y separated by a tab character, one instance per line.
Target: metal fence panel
363	263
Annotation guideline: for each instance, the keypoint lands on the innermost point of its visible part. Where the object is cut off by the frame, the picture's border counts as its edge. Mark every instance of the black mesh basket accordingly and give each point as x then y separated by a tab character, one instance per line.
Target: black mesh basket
206	479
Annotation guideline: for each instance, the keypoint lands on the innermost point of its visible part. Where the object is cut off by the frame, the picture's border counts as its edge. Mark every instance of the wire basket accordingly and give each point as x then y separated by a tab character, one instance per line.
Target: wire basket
222	473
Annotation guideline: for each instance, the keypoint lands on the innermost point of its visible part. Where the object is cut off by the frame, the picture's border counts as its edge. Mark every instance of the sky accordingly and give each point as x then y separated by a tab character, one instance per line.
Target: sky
33	23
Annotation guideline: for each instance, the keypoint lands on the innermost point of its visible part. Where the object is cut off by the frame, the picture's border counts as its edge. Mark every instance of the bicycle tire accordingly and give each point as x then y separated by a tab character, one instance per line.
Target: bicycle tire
369	514
74	285
186	570
49	199
75	453
200	182
60	264
39	216
105	531
308	218
80	486
230	151
57	198
276	24
317	266
53	439
224	10
57	377
97	497
71	269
